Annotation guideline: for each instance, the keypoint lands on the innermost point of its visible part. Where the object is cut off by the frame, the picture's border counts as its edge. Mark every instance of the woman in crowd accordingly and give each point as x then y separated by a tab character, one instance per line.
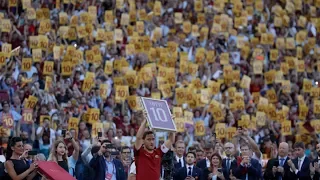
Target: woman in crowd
214	172
16	166
59	154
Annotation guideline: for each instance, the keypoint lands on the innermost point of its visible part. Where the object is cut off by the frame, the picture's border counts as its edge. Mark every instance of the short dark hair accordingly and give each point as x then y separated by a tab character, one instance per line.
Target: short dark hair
199	150
125	147
299	145
145	134
245	145
106	141
192	148
190	152
208	147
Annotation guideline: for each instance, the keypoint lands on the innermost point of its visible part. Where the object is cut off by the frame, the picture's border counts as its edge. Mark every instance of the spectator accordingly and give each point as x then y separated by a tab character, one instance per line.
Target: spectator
105	166
16	167
59	154
215	170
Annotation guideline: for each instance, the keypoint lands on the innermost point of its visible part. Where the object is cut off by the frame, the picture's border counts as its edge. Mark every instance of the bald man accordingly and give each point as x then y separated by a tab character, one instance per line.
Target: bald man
278	168
229	162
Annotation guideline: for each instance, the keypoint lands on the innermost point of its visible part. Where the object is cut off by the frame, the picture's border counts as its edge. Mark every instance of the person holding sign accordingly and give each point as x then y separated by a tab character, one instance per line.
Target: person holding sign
147	157
10	118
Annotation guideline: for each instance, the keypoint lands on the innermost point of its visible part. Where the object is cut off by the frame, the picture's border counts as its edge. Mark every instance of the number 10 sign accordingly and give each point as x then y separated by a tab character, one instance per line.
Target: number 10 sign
158	113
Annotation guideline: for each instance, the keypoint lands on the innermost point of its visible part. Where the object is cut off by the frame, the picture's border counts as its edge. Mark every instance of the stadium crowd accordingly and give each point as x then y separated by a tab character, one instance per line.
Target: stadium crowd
240	78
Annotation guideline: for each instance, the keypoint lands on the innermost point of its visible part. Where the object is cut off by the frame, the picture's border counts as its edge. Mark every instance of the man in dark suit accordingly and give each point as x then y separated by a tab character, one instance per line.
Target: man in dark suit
205	163
179	160
301	165
278	168
105	166
229	162
248	168
315	167
189	172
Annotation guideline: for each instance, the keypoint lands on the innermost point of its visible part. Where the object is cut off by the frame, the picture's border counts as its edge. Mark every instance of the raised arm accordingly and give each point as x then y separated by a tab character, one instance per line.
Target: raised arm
139	136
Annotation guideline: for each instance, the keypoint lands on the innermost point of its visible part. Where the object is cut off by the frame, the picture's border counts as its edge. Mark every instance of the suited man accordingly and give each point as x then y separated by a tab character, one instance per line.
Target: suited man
189	172
301	165
278	168
229	162
315	167
105	166
205	163
248	168
179	160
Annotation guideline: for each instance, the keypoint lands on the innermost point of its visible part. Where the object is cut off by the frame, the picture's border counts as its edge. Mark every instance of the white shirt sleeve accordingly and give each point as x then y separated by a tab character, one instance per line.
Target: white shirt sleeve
164	149
39	130
132	168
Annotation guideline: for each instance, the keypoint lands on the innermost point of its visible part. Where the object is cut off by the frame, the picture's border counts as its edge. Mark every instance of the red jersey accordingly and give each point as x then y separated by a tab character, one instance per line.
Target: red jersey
148	164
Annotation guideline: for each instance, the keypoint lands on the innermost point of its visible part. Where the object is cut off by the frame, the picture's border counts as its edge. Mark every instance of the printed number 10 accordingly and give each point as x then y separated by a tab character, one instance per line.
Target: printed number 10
159	114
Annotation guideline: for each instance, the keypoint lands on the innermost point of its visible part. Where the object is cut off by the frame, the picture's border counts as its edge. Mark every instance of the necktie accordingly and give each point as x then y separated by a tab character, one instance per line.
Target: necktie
189	172
299	163
228	165
282	161
180	162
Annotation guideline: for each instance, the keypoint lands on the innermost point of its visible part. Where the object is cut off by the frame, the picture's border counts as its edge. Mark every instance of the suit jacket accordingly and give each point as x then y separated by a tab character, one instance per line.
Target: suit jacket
202	164
176	163
226	172
182	173
206	173
316	175
304	173
98	163
254	171
288	174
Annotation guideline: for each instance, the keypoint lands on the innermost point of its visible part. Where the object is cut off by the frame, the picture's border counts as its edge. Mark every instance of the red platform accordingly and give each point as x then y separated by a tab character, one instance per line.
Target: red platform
52	171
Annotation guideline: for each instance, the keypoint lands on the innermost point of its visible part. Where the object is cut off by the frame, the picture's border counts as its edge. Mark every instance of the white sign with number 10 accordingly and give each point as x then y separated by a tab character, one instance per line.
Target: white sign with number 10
159	115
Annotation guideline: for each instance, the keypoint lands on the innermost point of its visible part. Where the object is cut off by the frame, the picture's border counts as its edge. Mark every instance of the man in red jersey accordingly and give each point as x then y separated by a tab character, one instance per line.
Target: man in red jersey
147	158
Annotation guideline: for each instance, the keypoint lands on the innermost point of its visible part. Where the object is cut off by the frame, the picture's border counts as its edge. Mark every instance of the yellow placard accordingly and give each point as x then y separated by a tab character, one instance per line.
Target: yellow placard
217	113
245	82
87	84
66	68
180	124
94	115
31	102
31	13
307	85
96	127
122	92
180	95
48	67
36	55
316	106
303	112
231	131
316	125
103	90
134	103
261	119
220	130
73	123
286	128
45	26
200	128
48	83
6	25
26	64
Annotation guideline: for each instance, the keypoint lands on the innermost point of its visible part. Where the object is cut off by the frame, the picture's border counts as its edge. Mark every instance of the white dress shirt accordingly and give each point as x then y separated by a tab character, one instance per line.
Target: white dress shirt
279	158
187	166
181	159
208	162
